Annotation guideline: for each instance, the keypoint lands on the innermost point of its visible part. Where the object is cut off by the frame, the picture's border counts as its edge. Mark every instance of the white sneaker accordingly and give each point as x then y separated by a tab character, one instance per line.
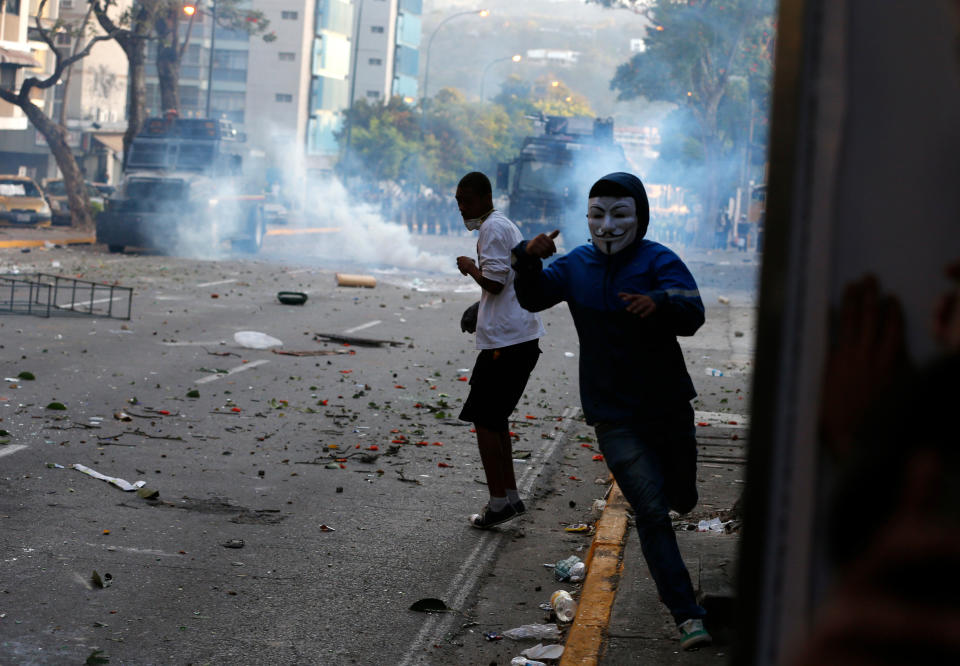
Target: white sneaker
692	634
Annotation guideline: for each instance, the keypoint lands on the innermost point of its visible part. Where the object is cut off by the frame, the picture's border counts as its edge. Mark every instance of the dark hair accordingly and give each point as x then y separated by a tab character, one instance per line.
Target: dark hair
477	183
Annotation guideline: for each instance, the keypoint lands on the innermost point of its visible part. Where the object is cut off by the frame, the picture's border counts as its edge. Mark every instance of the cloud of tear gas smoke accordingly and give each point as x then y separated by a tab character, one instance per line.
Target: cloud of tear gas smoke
364	237
355	233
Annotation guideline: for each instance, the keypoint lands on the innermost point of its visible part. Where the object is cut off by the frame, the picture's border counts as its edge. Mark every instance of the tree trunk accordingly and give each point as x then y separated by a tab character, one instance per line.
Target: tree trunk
710	192
168	78
135	49
167	27
56	137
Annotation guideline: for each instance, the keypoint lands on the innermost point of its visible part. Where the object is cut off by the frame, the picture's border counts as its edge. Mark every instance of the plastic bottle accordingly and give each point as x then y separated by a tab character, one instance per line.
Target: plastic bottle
563	605
713	372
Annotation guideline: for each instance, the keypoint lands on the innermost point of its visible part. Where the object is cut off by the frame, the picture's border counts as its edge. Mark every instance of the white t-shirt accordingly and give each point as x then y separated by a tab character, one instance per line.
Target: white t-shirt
501	321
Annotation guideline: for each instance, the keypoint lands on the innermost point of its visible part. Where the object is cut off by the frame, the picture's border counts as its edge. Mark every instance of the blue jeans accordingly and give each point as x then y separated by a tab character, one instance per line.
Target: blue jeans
654	463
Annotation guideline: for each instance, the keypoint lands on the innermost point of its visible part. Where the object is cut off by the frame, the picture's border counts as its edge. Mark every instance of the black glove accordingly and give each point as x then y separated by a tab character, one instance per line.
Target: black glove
468	322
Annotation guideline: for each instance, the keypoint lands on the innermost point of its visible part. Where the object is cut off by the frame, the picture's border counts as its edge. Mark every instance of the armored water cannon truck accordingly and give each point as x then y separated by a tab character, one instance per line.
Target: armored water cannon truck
548	182
184	191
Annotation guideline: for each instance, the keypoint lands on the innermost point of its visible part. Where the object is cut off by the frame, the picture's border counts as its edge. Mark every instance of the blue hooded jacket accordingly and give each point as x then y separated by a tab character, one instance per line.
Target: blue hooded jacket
630	368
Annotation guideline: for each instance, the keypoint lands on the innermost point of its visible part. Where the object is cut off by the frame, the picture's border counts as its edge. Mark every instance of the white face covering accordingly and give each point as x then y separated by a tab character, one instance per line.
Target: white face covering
613	222
473	223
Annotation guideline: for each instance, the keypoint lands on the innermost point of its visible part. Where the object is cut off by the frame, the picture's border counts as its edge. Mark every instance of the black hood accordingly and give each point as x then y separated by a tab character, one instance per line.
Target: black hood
635	189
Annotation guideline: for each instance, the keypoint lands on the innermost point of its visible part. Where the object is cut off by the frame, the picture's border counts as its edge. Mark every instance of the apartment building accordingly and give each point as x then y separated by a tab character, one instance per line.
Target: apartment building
22	56
388	56
89	99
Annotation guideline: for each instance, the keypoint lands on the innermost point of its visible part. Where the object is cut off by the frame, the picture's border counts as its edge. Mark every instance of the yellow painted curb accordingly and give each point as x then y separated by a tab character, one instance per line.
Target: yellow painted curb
81	240
297	232
604	565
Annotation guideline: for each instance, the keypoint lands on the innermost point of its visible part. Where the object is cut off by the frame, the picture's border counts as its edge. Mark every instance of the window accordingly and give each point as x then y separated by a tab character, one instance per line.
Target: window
63	39
289	16
229	65
12	6
377	29
228	105
8	76
287	55
373	94
375	61
284	97
66	4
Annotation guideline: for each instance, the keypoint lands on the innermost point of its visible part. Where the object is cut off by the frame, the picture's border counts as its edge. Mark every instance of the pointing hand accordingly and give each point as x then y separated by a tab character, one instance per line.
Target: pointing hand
543	246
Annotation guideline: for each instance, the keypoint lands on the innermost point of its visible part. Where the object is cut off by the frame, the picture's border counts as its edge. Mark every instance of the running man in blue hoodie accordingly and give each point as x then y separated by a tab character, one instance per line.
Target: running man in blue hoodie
630	298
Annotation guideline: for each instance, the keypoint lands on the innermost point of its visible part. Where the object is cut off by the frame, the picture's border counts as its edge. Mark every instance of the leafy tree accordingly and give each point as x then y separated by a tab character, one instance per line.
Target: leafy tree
396	142
546	95
53	132
713	59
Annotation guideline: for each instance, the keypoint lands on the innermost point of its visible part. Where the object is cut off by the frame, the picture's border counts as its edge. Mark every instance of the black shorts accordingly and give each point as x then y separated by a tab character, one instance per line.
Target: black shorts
497	383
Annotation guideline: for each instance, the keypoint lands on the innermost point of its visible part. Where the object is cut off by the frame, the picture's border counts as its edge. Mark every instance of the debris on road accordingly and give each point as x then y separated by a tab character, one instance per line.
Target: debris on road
292	297
541	651
311	352
723	300
349	280
100	582
571	568
713	372
563	606
233	543
538	631
256	340
112	480
360	342
523	661
579	528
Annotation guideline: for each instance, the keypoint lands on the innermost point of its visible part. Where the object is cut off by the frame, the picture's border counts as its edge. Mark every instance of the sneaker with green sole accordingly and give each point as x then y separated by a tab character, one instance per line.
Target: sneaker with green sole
692	634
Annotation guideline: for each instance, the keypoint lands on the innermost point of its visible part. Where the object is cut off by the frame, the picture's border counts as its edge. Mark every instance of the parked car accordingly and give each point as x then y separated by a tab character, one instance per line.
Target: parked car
22	202
57	196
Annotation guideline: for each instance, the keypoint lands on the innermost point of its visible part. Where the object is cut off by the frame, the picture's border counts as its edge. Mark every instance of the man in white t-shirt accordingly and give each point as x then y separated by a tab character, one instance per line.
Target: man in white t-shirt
507	339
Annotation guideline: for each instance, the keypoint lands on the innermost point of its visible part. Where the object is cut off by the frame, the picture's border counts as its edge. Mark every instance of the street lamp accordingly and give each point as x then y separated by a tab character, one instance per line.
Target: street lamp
483	13
190	10
483	77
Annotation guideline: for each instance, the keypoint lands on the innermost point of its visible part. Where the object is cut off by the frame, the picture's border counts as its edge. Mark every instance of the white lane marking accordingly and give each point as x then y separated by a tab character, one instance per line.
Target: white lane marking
202	343
467	576
231	371
11	448
139	551
215	283
76	303
363	326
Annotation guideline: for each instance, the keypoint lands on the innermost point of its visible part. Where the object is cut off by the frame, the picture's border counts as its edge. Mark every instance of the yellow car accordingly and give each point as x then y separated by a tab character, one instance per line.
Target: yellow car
22	203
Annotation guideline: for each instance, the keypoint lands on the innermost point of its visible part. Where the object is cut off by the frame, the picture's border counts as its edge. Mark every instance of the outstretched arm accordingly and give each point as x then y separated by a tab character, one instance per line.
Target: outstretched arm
538	289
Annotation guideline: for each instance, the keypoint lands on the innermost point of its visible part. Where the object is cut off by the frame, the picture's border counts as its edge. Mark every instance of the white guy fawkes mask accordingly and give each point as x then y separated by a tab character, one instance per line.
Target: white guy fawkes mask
613	222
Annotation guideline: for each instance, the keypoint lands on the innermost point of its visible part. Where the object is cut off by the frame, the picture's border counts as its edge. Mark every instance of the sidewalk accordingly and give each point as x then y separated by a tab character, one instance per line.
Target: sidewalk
15	237
621	619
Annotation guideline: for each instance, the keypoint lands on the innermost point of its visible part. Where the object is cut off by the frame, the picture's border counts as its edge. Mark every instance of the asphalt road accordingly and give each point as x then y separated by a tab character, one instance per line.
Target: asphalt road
363	440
